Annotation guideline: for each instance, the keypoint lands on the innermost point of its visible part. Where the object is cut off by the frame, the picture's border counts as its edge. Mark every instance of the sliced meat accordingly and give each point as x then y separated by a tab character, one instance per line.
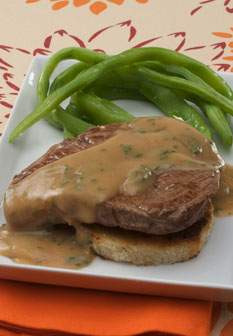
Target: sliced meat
175	200
70	146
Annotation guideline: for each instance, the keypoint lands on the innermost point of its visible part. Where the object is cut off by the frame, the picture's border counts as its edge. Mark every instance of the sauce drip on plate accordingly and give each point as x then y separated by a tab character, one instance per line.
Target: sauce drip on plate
223	201
57	247
69	189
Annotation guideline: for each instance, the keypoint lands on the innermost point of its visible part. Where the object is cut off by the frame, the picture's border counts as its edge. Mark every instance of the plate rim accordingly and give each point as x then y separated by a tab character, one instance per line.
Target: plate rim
51	270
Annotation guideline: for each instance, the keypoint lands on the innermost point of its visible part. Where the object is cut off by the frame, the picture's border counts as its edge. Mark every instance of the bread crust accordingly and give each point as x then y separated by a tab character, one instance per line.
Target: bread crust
143	249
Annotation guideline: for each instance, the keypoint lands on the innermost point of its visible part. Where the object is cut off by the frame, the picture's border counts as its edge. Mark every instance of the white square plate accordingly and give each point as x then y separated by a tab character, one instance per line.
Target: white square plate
208	276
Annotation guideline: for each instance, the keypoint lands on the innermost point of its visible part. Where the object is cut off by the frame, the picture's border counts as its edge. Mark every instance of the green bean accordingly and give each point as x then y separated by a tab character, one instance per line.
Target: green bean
175	70
131	56
80	54
214	114
217	120
161	54
62	79
67	75
52	118
210	95
131	72
122	76
116	93
174	106
174	99
72	124
74	109
100	111
164	98
171	102
67	134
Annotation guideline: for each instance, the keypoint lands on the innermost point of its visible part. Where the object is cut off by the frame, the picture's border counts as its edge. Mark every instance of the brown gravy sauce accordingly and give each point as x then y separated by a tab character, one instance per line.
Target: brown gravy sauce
72	187
54	248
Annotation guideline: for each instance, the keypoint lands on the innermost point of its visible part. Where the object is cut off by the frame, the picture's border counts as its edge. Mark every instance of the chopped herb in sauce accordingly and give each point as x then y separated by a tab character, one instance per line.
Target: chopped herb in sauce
193	163
218	209
144	172
102	177
25	193
79	260
71	259
138	155
147	172
138	180
56	247
76	260
141	130
195	148
101	189
130	151
151	121
79	180
67	175
126	148
165	153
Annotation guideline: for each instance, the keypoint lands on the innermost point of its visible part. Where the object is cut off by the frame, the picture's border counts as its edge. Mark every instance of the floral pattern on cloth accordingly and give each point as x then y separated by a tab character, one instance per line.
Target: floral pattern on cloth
96	7
227	6
9	87
226	44
218	52
199	28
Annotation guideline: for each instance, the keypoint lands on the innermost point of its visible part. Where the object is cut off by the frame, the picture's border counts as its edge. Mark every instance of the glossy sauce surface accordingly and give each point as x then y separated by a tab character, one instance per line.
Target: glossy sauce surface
55	248
69	190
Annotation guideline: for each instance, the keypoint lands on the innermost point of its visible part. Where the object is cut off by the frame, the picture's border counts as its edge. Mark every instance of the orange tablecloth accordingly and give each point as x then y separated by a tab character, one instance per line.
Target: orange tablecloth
50	310
202	29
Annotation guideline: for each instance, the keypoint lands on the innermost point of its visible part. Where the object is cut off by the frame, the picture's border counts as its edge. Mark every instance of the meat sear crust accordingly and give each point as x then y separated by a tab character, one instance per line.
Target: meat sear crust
175	200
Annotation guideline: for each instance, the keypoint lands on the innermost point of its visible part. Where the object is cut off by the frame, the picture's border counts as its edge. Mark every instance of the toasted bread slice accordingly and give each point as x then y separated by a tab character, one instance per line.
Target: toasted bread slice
142	249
